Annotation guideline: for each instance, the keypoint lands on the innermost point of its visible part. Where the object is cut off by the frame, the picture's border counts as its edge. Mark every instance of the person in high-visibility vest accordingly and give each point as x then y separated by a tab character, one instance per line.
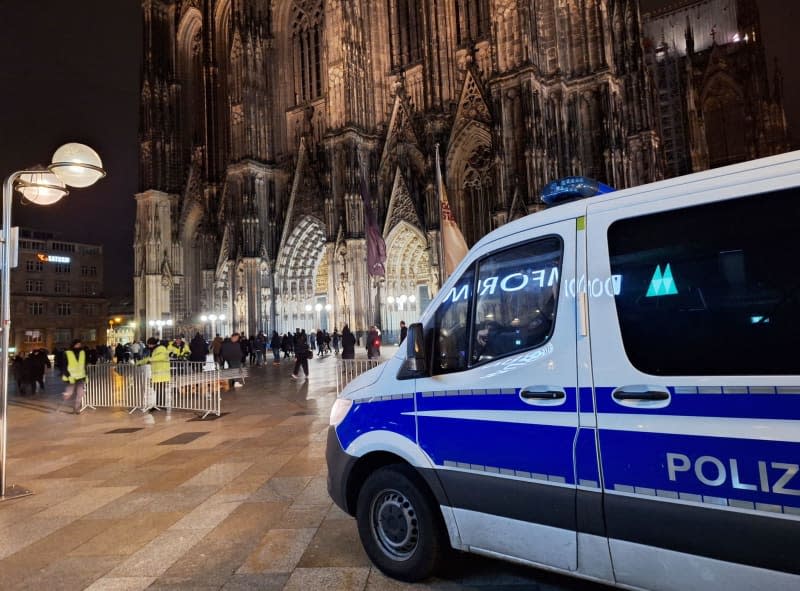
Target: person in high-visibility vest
159	363
75	374
178	349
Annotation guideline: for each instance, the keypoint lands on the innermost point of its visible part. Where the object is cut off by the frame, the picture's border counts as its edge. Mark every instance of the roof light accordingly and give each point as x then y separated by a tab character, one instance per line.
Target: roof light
571	188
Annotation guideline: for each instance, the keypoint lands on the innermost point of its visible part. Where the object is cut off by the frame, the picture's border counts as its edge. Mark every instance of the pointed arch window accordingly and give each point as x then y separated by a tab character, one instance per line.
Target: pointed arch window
306	27
405	28
472	20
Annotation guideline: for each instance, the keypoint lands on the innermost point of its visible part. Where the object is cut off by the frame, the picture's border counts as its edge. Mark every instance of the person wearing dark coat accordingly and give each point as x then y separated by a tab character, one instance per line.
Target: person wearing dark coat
41	362
276	344
348	343
231	354
301	354
198	348
30	368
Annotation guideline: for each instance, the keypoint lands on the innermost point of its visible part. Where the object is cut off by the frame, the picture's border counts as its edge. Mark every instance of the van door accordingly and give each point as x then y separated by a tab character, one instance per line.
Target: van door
695	366
498	415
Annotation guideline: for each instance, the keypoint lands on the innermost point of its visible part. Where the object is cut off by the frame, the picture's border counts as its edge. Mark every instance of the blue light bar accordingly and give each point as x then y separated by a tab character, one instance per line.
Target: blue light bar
571	188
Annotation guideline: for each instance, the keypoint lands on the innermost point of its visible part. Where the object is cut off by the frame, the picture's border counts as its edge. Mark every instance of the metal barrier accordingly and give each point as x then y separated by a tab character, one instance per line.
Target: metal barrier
192	386
348	369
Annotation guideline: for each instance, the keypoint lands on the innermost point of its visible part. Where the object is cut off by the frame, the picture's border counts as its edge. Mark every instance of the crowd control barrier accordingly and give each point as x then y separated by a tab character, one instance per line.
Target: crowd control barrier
192	386
347	369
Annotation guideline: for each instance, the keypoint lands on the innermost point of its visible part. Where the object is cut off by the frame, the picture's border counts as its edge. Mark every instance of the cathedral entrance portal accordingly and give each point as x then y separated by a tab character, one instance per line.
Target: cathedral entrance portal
302	294
409	281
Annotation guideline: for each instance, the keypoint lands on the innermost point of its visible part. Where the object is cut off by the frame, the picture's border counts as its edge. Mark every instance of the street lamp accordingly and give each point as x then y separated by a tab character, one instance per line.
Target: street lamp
212	318
308	308
73	165
160	324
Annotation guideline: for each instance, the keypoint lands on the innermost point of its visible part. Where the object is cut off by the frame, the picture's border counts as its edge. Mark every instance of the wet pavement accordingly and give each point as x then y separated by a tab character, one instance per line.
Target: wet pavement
165	501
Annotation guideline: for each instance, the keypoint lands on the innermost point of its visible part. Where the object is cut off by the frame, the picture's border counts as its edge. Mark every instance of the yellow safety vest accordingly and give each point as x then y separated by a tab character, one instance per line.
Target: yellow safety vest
181	352
159	360
76	366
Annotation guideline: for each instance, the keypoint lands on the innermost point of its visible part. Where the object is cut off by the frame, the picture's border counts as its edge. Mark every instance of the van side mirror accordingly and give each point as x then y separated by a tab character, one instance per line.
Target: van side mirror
415	365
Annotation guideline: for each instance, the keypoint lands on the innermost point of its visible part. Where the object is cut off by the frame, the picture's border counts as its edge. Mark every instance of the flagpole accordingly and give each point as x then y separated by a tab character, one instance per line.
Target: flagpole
442	269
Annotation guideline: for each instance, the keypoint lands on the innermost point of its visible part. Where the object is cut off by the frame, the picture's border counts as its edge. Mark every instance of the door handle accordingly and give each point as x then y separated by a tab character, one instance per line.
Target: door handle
642	396
543	396
651	395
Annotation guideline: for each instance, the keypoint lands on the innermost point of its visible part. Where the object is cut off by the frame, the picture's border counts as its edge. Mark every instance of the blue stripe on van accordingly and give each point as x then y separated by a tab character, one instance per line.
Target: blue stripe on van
759	406
586	459
528	451
586	400
385	415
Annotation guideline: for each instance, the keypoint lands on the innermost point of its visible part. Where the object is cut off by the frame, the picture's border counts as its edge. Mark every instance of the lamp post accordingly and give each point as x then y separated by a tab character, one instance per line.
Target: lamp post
328	309
160	324
308	308
212	318
73	165
318	309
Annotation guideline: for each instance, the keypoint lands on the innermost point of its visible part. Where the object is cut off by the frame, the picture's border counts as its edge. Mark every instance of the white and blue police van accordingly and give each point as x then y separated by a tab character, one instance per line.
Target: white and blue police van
609	388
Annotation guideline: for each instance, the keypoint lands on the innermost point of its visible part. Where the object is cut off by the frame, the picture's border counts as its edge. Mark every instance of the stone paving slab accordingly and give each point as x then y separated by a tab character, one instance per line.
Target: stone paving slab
125	502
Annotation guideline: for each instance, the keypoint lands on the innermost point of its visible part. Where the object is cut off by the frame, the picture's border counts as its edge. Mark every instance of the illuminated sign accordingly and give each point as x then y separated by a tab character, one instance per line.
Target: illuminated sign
662	284
51	258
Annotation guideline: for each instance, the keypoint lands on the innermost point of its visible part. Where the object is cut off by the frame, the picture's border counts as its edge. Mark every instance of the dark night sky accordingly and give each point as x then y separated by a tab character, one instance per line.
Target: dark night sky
70	72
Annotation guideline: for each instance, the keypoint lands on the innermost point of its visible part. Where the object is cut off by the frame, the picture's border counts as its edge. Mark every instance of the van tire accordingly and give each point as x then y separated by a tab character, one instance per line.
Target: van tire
399	524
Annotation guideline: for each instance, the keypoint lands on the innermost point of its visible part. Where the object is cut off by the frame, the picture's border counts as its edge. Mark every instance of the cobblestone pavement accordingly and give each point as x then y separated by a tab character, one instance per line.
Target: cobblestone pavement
155	501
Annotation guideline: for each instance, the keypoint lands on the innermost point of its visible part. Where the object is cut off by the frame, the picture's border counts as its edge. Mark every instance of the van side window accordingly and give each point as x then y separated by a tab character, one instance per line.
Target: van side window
515	301
711	289
450	334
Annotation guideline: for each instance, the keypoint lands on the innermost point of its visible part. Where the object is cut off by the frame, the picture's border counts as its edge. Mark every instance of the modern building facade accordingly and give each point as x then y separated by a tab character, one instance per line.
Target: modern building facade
56	293
265	125
715	100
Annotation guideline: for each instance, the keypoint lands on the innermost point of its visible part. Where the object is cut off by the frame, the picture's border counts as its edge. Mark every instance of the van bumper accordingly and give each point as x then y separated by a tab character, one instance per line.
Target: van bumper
340	464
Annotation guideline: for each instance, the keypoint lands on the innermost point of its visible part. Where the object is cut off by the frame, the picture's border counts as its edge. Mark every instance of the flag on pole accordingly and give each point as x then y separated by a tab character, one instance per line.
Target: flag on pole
376	247
454	247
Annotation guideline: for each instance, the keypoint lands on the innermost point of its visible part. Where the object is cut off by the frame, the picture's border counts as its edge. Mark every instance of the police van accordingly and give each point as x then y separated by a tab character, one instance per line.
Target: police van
609	388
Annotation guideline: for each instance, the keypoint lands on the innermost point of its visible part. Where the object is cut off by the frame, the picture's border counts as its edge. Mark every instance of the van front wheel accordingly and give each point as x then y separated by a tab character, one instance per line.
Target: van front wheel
399	525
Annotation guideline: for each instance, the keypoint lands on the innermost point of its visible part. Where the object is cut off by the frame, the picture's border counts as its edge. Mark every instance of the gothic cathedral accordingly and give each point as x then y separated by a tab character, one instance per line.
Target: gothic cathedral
266	124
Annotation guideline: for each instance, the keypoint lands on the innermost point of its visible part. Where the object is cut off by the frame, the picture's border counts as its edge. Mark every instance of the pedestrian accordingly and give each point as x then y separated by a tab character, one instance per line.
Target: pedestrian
260	348
178	349
320	339
41	362
158	359
75	375
29	370
17	367
403	331
198	348
136	350
348	343
373	342
231	353
335	341
302	352
276	343
216	349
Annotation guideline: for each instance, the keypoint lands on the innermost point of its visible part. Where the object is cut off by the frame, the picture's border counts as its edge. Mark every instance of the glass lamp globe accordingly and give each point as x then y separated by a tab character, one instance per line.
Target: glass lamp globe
390	299
41	188
77	165
318	307
205	318
221	317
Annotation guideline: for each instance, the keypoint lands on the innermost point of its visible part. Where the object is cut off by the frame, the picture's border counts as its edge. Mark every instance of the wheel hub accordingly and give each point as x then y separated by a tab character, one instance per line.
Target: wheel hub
394	524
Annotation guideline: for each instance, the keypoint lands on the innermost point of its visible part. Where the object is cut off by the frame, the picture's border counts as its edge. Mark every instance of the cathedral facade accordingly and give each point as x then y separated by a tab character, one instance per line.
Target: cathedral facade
715	101
266	124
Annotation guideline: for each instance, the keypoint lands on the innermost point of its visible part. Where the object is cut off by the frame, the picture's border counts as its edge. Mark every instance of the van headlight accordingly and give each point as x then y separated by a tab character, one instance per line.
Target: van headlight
339	411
